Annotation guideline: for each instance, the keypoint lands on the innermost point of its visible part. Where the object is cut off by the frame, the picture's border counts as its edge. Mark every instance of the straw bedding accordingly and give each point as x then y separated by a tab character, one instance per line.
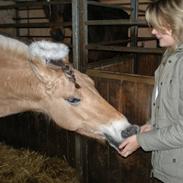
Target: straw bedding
25	166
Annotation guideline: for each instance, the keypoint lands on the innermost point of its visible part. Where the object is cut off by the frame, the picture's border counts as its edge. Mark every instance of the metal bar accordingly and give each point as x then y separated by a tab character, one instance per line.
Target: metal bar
78	157
141	11
84	61
31	8
26	36
33	4
125	49
76	62
125	22
118	2
134	31
139	39
32	18
146	39
114	42
31	25
84	34
114	60
17	22
28	21
75	33
104	4
67	24
133	18
79	15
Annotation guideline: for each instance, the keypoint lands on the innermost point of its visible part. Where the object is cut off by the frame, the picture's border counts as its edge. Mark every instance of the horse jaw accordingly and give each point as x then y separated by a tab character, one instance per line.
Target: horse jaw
109	132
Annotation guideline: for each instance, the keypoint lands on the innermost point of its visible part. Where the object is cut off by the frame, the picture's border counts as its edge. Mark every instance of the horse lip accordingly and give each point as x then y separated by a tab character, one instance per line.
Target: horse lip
113	131
112	142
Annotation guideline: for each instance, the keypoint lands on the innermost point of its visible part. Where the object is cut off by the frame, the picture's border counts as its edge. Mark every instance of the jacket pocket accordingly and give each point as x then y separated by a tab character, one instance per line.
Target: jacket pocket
171	162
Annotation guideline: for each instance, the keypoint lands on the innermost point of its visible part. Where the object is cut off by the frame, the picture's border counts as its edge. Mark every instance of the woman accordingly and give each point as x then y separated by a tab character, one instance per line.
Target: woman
163	135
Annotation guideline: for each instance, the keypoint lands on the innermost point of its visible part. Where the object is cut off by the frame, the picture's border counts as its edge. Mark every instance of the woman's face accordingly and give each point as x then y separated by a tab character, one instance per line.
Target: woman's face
165	37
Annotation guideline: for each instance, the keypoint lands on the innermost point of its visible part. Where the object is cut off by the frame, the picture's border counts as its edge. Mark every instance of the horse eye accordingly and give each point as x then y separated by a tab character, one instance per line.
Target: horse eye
73	100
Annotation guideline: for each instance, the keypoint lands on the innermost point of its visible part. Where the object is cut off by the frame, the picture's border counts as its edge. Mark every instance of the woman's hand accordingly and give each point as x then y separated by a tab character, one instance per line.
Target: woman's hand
128	146
145	128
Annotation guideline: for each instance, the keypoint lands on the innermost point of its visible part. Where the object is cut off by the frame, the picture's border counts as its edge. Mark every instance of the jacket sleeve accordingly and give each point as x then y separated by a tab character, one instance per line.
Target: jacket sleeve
166	138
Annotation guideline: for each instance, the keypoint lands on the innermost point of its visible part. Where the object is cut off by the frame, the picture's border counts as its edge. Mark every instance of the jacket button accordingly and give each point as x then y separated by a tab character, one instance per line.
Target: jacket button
161	83
169	61
154	104
174	160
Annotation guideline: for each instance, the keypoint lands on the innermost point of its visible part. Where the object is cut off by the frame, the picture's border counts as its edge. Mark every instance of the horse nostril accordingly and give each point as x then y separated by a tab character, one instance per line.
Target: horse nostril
129	131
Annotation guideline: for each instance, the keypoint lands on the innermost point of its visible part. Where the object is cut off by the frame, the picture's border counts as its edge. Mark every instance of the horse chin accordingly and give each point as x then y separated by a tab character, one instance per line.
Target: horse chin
113	132
92	133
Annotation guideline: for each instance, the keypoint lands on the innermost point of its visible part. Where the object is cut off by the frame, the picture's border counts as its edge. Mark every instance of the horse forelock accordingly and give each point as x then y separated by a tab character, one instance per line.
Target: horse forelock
13	47
44	51
41	51
53	54
48	51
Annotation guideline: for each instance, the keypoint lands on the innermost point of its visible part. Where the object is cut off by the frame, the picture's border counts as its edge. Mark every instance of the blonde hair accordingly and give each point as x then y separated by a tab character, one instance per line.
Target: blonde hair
168	14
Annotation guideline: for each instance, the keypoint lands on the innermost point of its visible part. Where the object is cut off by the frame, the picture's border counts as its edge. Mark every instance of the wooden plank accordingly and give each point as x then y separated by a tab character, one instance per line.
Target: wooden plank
119	76
125	49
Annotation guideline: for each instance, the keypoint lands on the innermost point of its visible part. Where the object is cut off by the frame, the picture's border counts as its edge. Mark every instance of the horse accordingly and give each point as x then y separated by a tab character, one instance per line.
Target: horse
39	77
57	14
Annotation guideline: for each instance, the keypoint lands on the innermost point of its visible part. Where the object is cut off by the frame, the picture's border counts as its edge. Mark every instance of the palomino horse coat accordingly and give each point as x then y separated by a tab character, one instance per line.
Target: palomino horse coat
39	78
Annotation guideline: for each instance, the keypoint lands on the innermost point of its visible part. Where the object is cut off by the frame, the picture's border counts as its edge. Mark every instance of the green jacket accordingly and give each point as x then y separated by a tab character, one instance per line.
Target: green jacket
166	138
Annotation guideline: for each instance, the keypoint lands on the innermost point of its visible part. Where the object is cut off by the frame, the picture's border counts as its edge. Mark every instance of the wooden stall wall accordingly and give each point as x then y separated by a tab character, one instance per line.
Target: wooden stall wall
131	95
146	64
37	132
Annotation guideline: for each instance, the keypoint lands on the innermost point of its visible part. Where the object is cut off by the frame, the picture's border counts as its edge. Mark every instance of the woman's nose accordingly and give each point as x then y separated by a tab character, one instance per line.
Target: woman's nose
154	31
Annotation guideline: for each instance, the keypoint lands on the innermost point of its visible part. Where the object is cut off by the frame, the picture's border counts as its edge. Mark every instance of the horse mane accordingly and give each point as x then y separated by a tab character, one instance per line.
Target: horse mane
14	47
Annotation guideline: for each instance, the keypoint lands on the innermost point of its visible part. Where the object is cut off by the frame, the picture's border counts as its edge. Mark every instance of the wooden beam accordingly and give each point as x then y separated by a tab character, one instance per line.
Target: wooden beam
121	76
124	22
125	49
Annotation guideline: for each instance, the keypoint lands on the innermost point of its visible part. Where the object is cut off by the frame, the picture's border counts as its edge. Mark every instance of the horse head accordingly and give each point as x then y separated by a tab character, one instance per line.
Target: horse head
40	78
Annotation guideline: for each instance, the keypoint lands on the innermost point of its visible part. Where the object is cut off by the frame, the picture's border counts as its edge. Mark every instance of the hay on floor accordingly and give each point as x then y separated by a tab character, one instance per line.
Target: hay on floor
24	166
